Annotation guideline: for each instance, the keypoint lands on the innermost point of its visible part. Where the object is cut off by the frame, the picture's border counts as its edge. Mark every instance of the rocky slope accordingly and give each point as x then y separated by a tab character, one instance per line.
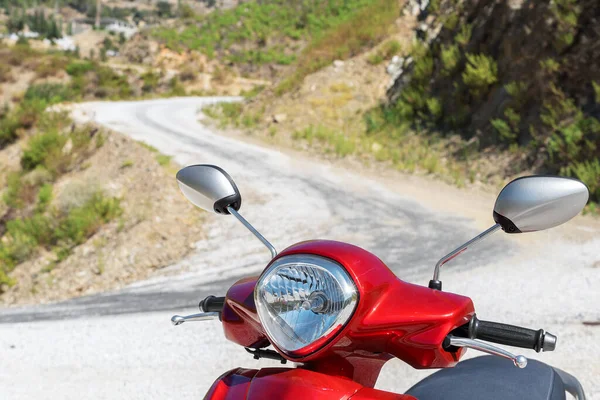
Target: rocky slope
155	227
522	74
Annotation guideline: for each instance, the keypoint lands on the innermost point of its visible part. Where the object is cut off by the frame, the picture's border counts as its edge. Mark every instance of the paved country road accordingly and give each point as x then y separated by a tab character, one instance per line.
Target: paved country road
121	344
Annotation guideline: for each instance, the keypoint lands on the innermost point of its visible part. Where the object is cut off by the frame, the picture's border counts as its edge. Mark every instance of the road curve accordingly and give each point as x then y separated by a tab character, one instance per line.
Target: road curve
120	344
288	200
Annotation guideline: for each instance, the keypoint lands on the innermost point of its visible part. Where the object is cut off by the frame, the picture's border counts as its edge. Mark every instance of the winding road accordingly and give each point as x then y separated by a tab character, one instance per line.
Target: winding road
121	344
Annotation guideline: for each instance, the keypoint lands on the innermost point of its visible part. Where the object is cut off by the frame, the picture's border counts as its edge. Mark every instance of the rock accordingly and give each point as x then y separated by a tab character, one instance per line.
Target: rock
516	4
394	68
279	118
338	64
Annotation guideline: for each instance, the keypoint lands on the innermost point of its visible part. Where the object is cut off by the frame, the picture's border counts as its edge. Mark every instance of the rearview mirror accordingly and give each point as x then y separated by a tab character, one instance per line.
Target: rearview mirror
210	188
534	203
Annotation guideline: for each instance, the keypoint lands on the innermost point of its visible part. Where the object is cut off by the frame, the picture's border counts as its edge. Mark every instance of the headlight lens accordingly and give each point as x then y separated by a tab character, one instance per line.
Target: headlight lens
303	298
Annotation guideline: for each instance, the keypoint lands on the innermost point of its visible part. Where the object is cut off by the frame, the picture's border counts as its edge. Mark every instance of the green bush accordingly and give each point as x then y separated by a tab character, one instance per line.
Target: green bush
464	36
79	68
82	222
44	198
450	56
35	230
12	195
503	129
480	72
9	125
150	81
49	92
53	230
589	173
40	148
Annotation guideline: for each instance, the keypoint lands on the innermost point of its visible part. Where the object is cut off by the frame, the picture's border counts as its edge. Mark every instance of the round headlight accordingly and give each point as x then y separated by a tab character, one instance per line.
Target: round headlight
303	298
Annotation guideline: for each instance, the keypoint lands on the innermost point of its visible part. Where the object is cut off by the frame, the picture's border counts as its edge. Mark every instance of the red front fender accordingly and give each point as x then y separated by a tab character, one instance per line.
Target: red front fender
290	383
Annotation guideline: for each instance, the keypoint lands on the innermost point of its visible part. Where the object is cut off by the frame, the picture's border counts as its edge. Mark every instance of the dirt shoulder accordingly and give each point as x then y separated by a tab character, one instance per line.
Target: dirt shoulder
157	226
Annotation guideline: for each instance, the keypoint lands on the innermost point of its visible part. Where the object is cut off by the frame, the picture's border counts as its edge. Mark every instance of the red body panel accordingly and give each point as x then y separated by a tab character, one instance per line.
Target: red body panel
393	318
288	384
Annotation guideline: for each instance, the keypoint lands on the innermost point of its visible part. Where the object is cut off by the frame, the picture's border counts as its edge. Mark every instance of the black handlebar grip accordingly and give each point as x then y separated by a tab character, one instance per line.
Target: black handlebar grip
511	335
212	304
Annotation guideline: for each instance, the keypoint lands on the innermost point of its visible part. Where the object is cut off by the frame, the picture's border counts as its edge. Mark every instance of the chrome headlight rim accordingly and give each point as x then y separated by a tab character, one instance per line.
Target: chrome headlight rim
339	272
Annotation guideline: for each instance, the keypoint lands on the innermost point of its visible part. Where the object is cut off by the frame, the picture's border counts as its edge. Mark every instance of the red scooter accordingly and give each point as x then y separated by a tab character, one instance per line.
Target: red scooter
339	313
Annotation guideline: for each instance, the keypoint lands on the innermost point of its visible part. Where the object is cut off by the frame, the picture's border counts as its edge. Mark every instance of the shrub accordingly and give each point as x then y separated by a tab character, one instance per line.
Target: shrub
30	112
423	69
589	173
150	81
9	125
450	56
464	36
517	90
48	92
40	148
34	231
44	198
78	68
435	108
12	194
51	66
503	129
550	65
480	72
176	88
111	84
231	111
84	221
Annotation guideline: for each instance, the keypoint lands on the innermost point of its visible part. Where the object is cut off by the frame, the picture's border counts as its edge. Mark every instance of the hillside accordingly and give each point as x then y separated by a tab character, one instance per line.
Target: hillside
516	75
482	91
267	39
81	209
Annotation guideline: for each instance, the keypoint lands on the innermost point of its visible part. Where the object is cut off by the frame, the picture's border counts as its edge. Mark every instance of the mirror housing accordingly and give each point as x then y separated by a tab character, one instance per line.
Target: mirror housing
209	188
535	203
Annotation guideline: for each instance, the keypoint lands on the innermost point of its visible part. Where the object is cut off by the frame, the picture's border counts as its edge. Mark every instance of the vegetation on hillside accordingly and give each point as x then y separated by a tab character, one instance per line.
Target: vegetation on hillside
47	26
539	99
307	33
31	219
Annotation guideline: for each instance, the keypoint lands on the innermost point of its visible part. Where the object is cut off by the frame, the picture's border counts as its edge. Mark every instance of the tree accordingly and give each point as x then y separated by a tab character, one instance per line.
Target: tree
53	32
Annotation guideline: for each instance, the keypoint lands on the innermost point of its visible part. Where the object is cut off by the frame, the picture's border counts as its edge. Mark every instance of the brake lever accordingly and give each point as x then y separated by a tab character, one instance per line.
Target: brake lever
519	360
178	319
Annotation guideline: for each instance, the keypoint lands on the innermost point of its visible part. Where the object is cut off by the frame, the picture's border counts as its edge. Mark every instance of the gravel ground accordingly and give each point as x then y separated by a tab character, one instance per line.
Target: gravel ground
82	349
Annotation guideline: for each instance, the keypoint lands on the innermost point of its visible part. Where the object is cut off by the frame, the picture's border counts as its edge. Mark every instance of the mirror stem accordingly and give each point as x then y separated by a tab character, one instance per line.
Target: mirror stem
435	282
254	231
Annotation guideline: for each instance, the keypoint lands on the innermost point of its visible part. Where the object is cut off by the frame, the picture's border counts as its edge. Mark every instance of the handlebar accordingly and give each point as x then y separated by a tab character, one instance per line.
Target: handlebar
212	304
509	335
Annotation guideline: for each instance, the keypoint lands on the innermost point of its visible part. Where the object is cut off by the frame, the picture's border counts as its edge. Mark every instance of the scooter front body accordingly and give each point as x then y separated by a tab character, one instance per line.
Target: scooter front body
339	313
291	383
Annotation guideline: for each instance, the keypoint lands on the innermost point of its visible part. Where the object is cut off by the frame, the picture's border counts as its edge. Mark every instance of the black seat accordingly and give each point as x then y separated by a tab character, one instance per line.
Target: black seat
491	378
